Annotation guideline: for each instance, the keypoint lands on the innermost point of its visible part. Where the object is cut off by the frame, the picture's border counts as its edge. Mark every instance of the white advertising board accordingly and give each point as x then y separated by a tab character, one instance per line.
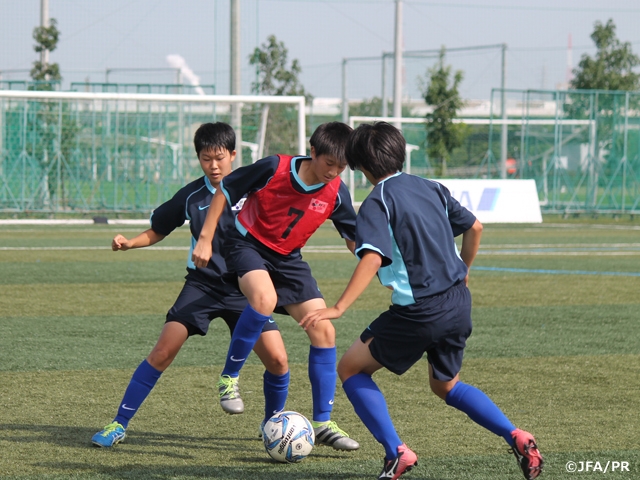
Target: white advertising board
498	201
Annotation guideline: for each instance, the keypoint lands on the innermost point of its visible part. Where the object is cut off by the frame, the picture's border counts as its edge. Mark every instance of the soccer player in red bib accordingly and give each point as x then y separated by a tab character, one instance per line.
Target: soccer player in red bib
288	199
405	235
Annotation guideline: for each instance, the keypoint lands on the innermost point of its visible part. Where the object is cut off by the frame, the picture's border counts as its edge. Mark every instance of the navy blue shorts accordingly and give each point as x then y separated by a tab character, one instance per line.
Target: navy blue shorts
198	304
438	325
291	276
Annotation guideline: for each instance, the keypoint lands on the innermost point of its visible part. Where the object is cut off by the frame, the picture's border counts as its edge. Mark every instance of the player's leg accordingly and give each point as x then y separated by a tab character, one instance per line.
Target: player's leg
322	376
144	378
481	409
445	362
257	287
270	349
355	369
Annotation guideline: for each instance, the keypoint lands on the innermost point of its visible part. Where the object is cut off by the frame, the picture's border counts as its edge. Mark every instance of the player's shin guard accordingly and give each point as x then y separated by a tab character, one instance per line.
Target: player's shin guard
481	409
322	375
276	389
141	384
370	405
244	337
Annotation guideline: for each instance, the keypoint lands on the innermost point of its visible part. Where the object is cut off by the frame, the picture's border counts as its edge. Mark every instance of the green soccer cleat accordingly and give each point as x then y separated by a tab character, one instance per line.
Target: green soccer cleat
328	433
229	393
111	435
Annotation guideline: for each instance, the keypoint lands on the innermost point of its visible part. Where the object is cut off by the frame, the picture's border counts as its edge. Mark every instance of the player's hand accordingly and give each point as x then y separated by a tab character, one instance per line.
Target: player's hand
119	242
201	254
312	318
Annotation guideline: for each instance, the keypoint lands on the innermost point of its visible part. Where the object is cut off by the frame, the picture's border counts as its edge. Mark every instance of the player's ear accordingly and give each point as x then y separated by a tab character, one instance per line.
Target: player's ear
233	155
313	152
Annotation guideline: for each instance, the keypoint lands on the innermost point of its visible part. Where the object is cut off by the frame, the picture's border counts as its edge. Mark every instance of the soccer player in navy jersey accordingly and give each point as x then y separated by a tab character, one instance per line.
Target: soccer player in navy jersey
405	234
209	292
289	197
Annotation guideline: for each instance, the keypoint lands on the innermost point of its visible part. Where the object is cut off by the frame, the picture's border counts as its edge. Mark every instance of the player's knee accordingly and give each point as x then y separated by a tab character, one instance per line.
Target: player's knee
441	389
264	302
278	363
161	357
345	370
323	334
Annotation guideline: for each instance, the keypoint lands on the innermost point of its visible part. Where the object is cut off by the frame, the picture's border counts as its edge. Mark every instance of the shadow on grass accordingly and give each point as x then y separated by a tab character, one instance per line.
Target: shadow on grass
271	471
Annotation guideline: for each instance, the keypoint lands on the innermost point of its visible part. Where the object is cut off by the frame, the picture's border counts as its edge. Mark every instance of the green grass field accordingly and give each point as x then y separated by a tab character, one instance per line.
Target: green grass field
556	344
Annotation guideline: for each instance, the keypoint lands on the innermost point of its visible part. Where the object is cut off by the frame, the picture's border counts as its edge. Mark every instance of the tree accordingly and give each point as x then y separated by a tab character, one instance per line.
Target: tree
612	67
442	134
372	107
46	39
55	128
276	77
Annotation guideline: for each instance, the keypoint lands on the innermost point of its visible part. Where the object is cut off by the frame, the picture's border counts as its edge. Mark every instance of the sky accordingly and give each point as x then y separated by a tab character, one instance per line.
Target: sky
140	34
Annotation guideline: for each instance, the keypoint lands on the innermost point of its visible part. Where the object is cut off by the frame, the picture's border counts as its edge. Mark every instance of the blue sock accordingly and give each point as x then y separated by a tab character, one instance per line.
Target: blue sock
140	386
245	336
322	375
481	409
371	407
276	388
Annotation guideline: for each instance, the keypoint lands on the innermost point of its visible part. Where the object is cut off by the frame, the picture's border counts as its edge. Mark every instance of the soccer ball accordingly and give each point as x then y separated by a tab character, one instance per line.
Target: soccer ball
288	437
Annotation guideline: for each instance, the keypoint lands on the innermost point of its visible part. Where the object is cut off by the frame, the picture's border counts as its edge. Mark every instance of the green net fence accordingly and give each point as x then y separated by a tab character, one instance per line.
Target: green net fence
83	152
127	148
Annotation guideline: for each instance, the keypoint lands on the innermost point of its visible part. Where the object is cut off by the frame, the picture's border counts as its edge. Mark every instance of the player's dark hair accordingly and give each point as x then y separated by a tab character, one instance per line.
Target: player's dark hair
214	136
378	148
331	139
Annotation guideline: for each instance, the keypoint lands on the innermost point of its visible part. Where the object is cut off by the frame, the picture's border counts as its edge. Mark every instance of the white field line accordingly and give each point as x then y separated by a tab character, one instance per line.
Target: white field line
72	222
559	245
490	250
578	226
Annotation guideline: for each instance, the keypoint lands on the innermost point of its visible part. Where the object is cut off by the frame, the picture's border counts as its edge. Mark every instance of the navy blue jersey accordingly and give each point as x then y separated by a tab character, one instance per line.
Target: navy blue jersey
191	203
252	178
412	223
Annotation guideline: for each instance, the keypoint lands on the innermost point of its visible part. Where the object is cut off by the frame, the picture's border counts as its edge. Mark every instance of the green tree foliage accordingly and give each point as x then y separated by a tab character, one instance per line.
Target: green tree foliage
46	39
56	128
276	77
612	67
441	92
372	107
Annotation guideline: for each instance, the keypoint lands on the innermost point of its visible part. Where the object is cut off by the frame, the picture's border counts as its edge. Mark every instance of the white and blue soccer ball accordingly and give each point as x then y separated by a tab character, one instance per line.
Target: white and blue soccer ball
288	437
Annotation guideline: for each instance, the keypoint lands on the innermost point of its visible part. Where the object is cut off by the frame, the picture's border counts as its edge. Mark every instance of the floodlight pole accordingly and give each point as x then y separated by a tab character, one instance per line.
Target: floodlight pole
44	23
397	66
236	108
503	106
383	96
345	100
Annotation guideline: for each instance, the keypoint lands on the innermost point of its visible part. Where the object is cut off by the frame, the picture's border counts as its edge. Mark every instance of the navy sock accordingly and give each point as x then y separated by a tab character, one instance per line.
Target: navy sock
322	375
371	407
481	409
276	388
245	336
140	386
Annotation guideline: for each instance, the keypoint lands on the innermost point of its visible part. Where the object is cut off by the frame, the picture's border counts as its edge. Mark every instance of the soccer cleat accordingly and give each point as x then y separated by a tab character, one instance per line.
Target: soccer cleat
527	453
230	400
403	463
328	433
111	435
